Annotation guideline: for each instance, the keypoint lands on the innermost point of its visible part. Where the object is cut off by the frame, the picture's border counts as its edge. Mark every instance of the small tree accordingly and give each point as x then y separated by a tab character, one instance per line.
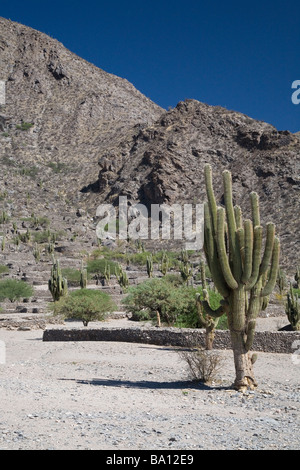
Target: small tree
13	290
85	305
166	300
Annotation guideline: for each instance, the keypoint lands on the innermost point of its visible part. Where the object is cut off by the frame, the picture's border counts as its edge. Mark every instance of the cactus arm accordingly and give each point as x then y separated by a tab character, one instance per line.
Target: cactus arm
248	251
254	198
228	276
256	257
202	272
207	308
274	269
211	254
208	235
210	196
268	248
241	241
238	217
234	252
250	335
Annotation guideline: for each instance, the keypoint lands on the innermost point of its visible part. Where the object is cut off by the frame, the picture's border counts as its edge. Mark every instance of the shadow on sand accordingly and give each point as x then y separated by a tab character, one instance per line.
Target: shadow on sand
152	385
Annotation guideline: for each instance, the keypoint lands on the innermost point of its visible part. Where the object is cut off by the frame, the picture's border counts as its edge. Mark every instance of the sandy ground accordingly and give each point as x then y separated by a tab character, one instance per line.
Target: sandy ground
101	395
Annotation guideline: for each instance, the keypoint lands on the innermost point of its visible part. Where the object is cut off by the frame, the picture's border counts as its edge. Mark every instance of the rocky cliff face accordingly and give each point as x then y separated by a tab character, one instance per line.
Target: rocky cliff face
164	163
73	136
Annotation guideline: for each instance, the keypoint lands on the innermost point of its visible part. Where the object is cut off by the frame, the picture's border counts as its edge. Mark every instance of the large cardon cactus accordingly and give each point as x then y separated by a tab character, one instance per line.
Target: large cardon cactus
243	271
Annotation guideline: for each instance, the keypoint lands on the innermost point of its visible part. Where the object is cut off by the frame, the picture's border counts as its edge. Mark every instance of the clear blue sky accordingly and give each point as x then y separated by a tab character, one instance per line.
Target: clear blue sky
237	54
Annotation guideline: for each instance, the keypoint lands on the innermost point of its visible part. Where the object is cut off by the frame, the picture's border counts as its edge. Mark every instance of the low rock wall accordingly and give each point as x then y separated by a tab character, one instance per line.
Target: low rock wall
266	341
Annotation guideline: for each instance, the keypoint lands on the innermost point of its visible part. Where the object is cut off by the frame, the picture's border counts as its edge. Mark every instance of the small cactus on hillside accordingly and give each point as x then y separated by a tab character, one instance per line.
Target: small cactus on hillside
297	277
186	270
37	253
83	277
164	266
292	309
57	284
107	272
281	281
122	278
150	266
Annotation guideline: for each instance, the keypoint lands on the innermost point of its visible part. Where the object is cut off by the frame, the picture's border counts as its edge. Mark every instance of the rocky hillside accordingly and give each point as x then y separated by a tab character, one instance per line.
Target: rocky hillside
61	113
164	163
72	136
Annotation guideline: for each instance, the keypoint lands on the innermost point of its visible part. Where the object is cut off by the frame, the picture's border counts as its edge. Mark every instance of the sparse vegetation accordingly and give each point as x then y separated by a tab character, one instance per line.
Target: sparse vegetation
168	298
3	269
98	266
13	290
58	167
84	305
202	365
24	126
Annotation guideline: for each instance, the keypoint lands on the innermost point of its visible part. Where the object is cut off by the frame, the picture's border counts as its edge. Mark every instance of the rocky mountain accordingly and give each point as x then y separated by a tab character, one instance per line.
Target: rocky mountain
73	136
61	113
165	161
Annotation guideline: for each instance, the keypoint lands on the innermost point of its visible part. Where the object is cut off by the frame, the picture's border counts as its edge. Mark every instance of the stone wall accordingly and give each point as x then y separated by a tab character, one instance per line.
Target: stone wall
266	341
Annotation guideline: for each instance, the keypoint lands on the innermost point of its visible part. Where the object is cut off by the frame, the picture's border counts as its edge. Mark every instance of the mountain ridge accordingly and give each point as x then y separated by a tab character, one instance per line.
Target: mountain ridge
74	136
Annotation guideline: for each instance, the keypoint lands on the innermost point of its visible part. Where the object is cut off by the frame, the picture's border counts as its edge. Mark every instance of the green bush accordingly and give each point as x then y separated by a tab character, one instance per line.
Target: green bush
97	266
58	167
72	275
13	290
25	126
85	305
175	302
3	269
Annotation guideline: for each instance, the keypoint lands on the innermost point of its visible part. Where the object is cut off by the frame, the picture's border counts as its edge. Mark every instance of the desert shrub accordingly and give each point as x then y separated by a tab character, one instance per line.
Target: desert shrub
24	126
58	167
3	269
31	171
72	275
190	318
97	266
12	289
202	365
4	218
85	305
175	302
140	259
152	296
41	237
